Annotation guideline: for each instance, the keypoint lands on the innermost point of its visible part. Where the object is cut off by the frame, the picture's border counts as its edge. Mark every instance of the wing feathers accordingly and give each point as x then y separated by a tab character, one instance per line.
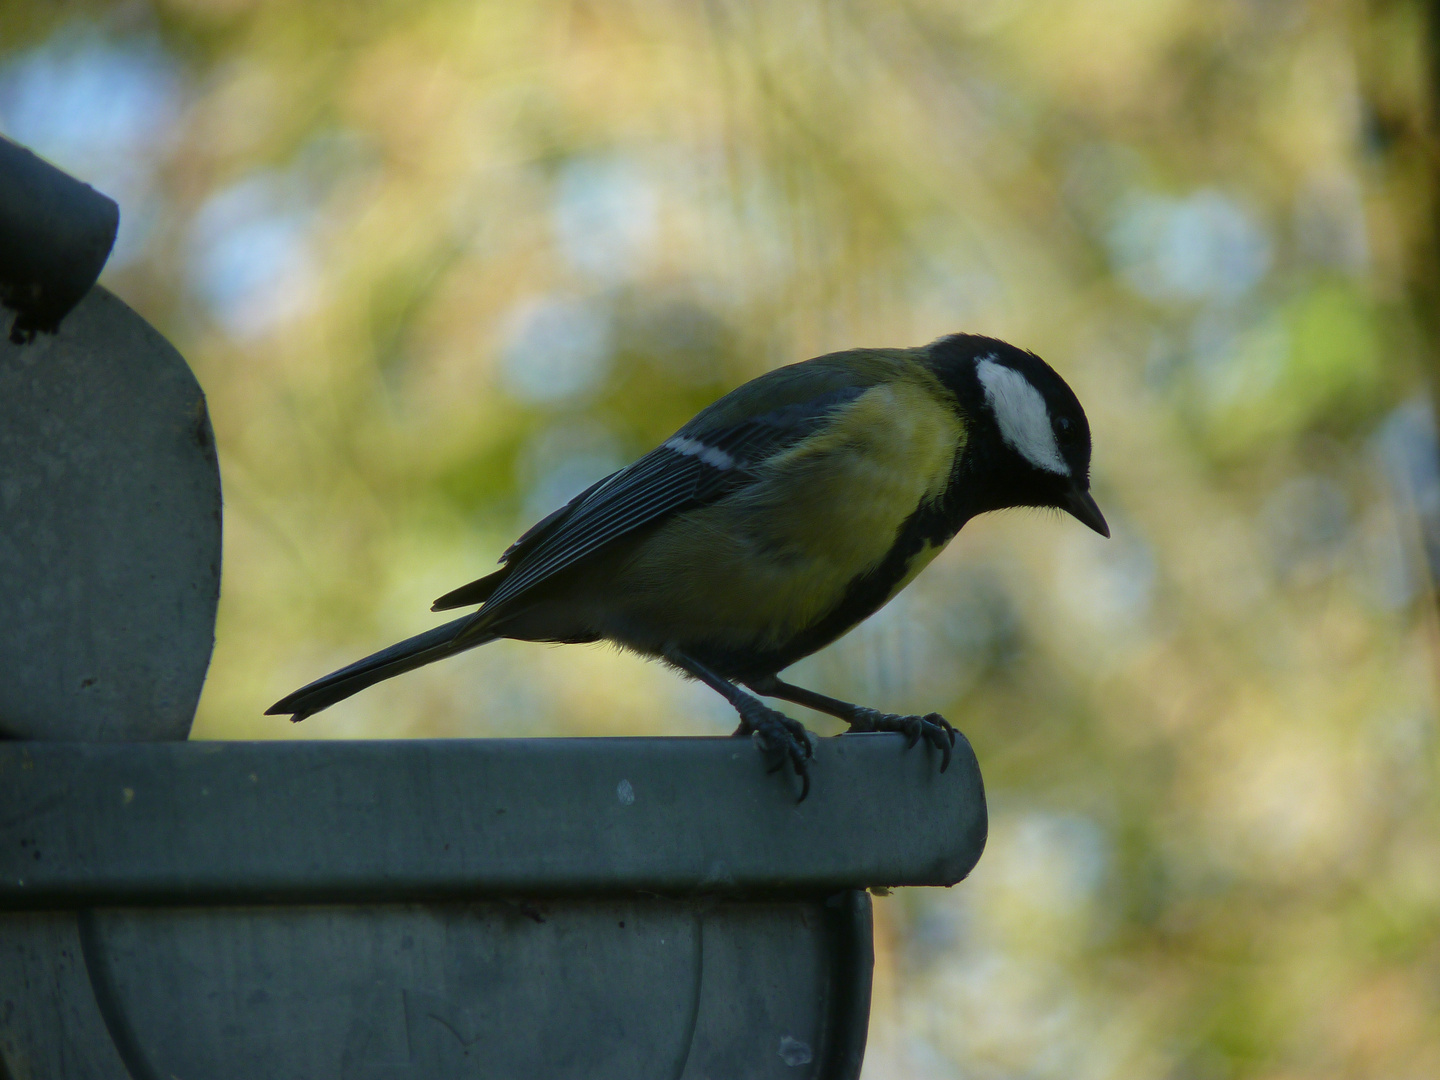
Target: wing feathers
701	463
663	482
477	592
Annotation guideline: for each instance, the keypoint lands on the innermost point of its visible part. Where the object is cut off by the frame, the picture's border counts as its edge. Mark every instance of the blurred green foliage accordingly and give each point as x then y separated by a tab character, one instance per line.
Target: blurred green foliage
439	265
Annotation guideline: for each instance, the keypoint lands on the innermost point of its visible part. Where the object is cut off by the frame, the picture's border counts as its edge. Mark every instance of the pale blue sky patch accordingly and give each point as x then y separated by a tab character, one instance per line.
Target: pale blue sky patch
1204	246
556	348
104	111
562	460
605	216
1235	361
1108	586
250	255
1408	448
1058	859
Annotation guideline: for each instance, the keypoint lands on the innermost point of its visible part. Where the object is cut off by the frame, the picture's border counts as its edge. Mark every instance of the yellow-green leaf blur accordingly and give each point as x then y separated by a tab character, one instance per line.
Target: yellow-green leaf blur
439	265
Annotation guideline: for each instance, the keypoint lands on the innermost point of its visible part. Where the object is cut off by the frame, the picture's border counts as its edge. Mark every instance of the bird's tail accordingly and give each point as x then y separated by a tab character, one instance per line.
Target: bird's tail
401	657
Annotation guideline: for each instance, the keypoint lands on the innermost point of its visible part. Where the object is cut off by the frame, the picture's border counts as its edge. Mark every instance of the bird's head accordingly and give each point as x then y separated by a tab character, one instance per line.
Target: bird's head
1028	442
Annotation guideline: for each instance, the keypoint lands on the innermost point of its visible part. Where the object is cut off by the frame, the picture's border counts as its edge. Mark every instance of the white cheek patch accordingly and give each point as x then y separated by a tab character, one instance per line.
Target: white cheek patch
1021	413
718	459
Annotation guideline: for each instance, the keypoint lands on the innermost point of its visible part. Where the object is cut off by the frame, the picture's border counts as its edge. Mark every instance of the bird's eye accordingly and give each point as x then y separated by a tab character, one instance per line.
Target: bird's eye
1065	429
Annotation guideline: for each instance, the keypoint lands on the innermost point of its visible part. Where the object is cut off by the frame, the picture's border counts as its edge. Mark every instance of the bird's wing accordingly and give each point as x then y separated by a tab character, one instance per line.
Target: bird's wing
714	454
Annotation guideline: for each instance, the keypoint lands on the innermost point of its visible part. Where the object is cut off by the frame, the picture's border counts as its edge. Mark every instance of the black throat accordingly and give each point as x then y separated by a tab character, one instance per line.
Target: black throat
932	524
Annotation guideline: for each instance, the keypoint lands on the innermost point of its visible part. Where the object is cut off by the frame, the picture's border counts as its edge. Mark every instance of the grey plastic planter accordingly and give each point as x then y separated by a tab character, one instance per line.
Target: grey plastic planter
527	909
501	908
109	531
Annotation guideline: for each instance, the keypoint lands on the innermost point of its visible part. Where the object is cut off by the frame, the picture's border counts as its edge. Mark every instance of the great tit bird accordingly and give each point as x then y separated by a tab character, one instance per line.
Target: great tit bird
773	522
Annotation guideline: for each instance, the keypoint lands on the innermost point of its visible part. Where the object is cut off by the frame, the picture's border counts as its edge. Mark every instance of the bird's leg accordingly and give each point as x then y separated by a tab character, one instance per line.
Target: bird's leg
771	731
936	729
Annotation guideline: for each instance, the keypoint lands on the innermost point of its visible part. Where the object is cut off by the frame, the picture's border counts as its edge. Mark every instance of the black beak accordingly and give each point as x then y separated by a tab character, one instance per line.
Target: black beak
1081	506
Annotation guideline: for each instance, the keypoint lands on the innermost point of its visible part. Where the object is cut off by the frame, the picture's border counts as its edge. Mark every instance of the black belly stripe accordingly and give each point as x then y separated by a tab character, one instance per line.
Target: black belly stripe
933	524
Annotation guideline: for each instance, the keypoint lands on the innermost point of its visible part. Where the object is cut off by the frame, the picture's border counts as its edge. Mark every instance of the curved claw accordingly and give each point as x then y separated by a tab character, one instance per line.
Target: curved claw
941	736
773	731
909	726
937	730
798	733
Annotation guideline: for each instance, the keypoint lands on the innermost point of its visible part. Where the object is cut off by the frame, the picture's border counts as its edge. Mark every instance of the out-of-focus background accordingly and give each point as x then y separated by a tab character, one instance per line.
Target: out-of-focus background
439	265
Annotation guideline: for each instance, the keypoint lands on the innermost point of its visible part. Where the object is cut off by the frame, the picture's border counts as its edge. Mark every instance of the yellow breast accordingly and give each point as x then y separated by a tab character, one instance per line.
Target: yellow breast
777	556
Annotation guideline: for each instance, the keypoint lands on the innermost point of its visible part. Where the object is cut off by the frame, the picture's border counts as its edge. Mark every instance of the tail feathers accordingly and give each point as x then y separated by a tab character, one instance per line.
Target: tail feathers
404	656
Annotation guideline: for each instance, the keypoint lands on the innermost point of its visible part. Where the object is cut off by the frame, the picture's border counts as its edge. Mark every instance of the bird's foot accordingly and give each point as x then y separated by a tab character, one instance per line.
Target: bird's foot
778	736
934	727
